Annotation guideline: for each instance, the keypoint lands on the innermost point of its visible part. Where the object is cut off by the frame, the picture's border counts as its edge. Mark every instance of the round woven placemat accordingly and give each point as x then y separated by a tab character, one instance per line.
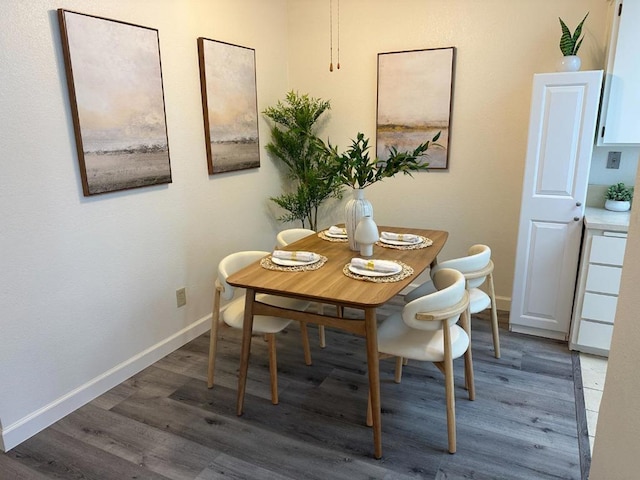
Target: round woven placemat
426	242
406	271
323	235
269	265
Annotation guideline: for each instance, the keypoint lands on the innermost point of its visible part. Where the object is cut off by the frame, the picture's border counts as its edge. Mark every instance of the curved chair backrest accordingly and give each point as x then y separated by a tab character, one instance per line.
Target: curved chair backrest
285	237
451	286
231	264
478	257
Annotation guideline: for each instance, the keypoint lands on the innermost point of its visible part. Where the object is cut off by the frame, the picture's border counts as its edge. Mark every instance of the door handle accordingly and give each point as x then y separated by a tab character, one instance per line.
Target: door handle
578	204
577	219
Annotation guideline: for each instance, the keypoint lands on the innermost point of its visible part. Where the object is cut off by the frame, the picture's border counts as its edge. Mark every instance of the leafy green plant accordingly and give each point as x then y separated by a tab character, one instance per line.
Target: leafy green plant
295	143
570	43
355	168
619	192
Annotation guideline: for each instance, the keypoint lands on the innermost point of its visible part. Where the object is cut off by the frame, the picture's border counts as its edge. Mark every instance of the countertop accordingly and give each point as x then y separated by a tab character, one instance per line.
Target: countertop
601	219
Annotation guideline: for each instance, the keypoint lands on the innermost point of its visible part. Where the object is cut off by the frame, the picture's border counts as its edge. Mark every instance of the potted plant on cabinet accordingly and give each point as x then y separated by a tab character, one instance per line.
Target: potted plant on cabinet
618	197
295	143
356	169
569	46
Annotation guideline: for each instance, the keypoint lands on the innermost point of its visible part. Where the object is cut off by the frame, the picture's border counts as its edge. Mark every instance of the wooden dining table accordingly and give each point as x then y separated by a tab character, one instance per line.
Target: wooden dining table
330	285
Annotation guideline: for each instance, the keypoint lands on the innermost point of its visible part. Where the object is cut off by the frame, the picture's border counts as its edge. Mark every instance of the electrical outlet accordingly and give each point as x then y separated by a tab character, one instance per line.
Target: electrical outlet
181	297
613	160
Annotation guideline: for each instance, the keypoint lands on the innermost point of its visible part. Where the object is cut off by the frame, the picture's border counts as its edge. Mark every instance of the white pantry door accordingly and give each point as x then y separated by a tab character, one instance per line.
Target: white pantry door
564	109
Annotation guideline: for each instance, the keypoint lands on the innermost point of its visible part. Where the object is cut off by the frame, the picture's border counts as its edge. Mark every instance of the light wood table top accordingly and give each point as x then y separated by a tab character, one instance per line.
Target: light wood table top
329	284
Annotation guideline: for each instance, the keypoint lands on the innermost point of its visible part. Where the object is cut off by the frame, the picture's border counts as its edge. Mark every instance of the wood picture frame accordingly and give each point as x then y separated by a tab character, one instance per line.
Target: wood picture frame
114	77
415	100
229	105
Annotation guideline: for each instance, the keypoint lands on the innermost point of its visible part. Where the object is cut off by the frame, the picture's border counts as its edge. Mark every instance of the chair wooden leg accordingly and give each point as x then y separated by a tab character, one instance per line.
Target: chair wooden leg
494	317
369	412
273	367
321	337
213	338
399	363
449	389
468	360
305	343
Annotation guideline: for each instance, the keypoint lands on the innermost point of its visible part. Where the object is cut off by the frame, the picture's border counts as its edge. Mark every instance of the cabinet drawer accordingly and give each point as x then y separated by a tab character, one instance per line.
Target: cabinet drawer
599	307
596	335
607	250
603	279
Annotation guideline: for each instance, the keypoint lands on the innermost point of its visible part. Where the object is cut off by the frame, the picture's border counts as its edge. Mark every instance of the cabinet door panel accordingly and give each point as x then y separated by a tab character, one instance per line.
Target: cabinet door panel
562	123
603	279
599	307
607	250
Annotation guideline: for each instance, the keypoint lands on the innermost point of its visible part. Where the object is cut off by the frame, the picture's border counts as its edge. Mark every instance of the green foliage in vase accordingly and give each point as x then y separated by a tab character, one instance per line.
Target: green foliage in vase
295	143
619	192
356	169
570	44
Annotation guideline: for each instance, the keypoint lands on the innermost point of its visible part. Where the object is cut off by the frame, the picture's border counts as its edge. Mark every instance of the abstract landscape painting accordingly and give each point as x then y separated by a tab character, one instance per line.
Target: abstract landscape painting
414	102
117	99
229	105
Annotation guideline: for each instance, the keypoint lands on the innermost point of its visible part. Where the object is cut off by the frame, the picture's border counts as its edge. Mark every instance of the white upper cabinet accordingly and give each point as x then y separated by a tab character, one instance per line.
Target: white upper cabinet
620	114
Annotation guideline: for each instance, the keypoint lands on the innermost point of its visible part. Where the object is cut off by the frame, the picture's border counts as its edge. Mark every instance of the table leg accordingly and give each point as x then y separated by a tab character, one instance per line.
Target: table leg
371	329
247	328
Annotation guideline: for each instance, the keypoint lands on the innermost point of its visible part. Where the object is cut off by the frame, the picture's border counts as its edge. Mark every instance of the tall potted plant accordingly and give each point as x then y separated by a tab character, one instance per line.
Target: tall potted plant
295	143
355	168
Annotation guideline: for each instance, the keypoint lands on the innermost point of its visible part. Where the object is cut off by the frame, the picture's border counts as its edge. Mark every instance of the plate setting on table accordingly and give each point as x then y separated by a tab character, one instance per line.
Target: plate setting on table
374	268
334	234
404	241
293	261
377	270
289	262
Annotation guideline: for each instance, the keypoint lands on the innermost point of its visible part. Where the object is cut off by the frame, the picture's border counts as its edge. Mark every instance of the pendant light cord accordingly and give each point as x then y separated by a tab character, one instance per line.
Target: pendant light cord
331	34
338	34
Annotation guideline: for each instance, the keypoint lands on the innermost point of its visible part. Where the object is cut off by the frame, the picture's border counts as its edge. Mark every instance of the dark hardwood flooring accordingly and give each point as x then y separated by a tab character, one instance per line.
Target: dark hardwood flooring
163	423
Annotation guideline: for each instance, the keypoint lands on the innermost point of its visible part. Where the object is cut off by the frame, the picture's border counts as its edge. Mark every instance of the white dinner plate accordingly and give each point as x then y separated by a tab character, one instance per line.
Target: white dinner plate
398	242
333	235
371	273
285	262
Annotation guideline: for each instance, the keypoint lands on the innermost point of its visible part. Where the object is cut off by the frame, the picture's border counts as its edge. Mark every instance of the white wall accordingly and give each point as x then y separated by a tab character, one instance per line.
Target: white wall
87	285
500	45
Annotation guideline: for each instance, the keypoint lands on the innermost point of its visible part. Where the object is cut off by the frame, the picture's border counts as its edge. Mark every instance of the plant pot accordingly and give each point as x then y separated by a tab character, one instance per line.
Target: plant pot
356	208
569	63
617	205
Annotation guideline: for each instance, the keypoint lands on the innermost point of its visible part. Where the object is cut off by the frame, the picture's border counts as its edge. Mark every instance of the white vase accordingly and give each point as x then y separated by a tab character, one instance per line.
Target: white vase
569	63
366	235
617	205
355	208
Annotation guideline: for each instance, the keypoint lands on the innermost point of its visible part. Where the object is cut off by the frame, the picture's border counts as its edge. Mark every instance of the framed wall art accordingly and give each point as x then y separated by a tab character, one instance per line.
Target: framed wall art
415	90
229	105
117	102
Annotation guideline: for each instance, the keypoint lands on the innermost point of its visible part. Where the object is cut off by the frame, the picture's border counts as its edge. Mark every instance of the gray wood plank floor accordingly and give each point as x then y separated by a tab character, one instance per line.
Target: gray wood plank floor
163	423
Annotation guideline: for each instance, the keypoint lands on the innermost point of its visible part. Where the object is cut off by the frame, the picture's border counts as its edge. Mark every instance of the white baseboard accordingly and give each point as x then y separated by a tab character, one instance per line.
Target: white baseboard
18	432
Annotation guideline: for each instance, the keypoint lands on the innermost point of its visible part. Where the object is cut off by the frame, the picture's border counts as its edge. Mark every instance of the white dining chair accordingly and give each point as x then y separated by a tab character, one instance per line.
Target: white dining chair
427	330
477	267
290	235
233	315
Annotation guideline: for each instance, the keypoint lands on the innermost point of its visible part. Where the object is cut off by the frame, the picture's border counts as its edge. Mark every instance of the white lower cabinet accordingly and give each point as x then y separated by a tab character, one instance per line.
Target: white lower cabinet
596	299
